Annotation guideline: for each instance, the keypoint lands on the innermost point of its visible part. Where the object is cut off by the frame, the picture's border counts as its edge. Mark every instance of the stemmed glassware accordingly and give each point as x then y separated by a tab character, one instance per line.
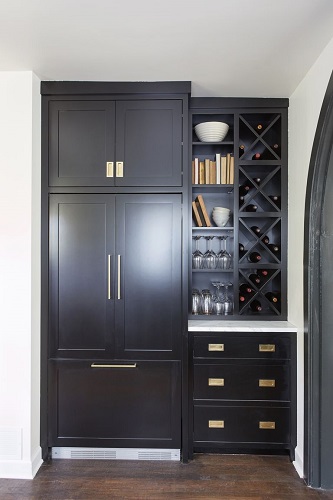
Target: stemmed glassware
219	304
197	256
210	257
224	259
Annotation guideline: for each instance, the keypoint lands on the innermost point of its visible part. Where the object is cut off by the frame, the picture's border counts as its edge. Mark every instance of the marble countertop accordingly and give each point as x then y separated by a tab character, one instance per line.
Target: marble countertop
240	326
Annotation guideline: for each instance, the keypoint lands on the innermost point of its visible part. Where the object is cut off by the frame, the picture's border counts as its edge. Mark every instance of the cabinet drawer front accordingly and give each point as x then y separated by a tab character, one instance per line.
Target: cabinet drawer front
114	402
241	425
274	346
241	382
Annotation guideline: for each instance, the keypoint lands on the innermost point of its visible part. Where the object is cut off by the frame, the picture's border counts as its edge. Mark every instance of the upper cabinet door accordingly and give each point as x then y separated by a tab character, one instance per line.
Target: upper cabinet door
81	143
149	143
108	143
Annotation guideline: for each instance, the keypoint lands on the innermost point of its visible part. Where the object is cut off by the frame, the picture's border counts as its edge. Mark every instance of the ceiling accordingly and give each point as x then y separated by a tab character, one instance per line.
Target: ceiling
225	47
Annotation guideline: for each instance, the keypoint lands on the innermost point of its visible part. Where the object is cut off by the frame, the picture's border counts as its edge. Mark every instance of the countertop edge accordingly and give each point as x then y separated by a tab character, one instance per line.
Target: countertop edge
241	326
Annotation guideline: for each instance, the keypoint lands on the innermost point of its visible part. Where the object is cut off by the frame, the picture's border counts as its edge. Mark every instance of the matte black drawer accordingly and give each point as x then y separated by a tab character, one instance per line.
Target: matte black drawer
241	424
241	382
275	346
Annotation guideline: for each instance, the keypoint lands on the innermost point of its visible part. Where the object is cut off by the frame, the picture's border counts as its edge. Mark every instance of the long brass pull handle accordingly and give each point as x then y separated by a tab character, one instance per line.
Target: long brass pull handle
266	347
118	278
119	169
109	277
266	425
97	365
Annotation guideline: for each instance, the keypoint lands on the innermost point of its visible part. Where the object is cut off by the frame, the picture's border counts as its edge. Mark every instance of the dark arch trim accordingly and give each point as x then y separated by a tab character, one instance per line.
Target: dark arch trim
314	404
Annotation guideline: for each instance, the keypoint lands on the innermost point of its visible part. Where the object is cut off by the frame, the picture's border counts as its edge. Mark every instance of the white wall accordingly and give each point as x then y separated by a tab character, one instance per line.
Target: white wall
304	109
20	453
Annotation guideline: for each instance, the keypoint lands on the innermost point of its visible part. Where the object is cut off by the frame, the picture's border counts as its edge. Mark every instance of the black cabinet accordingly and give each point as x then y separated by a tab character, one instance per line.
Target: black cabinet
98	142
243	391
113	263
115	282
119	404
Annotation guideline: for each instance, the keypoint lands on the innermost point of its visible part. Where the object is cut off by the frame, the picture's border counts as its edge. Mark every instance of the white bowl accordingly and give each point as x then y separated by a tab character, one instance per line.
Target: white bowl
211	131
220	222
221	210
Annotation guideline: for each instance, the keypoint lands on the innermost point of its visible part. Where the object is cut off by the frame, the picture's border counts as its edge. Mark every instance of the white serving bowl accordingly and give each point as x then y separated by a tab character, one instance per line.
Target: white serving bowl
211	131
220	221
221	210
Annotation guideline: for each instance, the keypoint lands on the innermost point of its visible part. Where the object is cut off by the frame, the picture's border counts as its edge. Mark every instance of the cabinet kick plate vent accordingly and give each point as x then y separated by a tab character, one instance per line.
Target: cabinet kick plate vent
115	453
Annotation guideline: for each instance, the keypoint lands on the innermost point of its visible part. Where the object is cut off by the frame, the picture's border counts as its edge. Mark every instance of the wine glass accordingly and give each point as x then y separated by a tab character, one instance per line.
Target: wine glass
219	304
210	257
224	258
197	256
228	304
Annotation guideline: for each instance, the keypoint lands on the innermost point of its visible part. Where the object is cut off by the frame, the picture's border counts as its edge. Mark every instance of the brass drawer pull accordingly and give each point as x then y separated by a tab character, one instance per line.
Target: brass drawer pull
266	347
266	425
216	382
109	169
266	383
216	424
119	169
215	347
97	365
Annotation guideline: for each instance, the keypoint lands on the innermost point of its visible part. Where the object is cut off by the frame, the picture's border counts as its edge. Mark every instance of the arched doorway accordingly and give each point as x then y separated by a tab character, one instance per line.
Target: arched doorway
318	305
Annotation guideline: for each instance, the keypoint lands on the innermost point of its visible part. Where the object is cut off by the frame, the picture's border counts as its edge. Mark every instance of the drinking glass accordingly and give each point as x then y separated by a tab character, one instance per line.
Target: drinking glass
210	257
196	301
224	259
197	256
207	302
219	304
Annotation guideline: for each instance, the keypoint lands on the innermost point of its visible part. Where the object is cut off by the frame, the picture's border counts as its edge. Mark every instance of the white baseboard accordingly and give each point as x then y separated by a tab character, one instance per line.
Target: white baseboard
298	464
21	469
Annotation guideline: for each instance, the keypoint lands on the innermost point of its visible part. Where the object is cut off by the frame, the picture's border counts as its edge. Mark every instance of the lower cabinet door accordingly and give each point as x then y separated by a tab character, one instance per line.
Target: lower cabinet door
115	404
241	424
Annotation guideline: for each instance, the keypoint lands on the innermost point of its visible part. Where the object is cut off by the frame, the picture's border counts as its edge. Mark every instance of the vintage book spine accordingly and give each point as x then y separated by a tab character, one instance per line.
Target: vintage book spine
196	216
201	215
228	169
207	171
232	170
218	168
201	172
196	171
223	169
212	173
200	200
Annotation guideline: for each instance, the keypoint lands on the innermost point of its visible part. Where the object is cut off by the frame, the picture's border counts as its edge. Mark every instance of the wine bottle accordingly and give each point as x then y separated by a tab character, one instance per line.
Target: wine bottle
256	305
276	200
256	230
254	257
259	127
251	208
257	180
273	248
255	278
262	272
272	297
241	200
276	148
245	288
244	189
241	298
242	250
256	156
241	150
265	239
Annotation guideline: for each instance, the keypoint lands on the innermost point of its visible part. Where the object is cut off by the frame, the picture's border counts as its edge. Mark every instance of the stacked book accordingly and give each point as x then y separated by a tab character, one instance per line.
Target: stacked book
200	214
218	171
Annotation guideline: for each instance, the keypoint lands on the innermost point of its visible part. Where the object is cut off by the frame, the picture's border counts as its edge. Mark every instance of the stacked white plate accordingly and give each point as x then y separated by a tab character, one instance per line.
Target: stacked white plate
211	131
220	216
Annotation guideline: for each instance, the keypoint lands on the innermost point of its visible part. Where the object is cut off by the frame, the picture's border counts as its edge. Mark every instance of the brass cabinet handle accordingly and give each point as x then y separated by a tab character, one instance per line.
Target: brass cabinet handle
109	277
215	347
119	169
266	383
97	365
109	169
216	382
266	425
119	278
216	424
266	347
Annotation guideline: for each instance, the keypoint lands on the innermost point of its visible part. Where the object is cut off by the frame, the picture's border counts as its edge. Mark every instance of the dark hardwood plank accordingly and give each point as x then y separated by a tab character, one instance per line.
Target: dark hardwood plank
224	477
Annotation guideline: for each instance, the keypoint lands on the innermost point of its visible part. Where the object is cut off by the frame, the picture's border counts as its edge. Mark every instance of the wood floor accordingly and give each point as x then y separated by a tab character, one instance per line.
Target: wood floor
224	477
